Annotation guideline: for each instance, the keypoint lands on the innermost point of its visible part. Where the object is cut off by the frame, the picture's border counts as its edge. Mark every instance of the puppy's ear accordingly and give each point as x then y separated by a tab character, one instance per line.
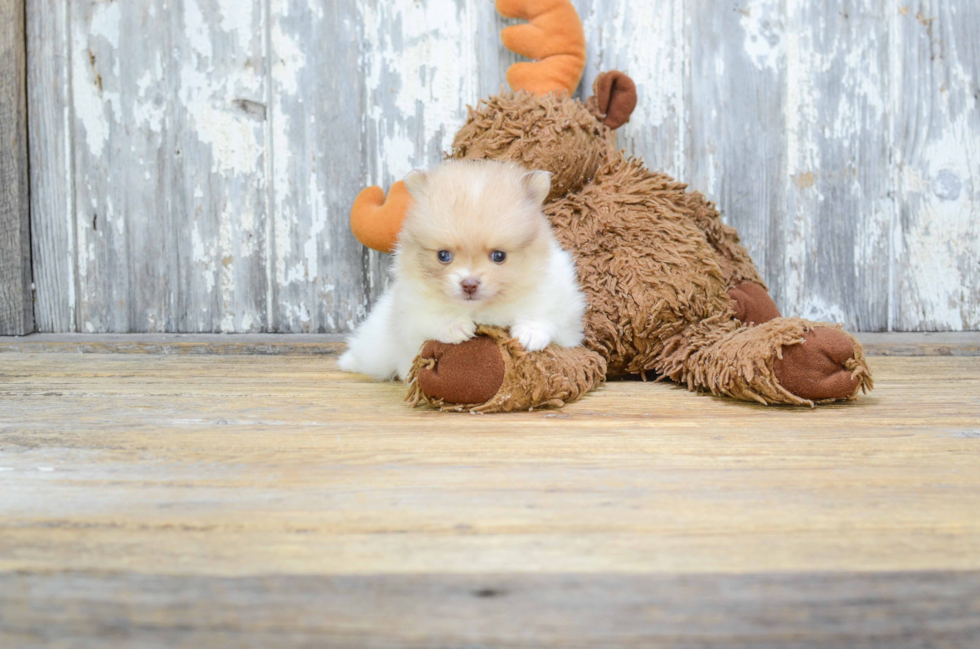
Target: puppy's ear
416	182
537	186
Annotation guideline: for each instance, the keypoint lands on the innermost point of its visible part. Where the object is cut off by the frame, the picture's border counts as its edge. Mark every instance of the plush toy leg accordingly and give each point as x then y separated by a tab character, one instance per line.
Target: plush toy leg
785	360
493	373
753	305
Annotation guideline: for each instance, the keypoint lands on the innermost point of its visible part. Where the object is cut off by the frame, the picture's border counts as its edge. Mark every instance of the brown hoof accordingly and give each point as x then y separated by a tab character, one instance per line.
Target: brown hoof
815	369
468	373
752	303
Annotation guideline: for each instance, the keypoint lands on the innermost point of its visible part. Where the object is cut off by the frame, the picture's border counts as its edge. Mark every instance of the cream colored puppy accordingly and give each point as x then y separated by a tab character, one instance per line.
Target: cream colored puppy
474	249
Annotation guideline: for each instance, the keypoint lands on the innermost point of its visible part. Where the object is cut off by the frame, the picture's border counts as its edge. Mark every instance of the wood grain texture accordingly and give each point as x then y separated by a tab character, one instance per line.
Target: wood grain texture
650	42
763	611
154	500
52	171
222	156
738	149
838	185
937	166
322	275
16	298
219	182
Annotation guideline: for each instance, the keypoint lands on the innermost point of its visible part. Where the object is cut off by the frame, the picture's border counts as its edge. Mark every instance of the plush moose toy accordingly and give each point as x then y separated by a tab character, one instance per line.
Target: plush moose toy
671	291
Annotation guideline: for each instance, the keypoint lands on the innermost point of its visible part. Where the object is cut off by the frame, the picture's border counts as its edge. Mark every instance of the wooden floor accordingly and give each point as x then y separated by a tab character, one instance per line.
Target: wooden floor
190	498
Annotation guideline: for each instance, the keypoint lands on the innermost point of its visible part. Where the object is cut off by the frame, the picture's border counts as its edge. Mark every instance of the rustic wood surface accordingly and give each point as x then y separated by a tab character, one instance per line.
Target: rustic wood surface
875	344
16	300
577	611
194	161
186	501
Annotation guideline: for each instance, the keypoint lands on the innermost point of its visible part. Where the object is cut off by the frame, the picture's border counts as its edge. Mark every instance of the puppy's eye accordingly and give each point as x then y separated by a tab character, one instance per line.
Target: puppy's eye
445	256
498	256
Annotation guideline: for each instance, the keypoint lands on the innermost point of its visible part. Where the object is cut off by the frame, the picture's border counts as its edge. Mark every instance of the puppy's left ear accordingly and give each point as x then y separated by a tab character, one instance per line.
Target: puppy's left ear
537	186
416	181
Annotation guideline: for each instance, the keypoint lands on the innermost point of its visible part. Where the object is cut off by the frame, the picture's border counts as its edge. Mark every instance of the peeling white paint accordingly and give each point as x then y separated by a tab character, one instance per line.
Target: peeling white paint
196	30
941	243
237	17
652	49
763	25
418	92
289	58
148	111
203	255
209	99
91	44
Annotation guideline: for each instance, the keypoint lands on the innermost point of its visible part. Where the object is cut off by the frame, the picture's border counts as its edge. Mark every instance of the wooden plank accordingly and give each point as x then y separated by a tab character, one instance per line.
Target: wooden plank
648	41
238	465
875	344
921	344
16	299
799	610
322	276
121	122
51	167
835	231
419	77
737	155
218	180
937	158
199	501
170	189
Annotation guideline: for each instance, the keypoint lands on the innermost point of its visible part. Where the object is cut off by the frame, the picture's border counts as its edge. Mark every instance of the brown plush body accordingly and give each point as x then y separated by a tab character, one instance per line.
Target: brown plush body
671	291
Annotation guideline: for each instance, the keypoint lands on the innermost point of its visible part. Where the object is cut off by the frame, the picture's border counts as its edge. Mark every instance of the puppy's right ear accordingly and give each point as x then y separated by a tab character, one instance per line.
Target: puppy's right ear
416	182
537	186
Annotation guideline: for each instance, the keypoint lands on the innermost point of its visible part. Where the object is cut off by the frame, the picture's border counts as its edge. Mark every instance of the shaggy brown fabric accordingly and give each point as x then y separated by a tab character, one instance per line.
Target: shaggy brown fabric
724	357
752	303
551	133
546	379
646	269
667	282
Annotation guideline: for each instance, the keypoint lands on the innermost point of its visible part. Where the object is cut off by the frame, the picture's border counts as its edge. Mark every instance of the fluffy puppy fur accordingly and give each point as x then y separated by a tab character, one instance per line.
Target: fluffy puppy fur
474	249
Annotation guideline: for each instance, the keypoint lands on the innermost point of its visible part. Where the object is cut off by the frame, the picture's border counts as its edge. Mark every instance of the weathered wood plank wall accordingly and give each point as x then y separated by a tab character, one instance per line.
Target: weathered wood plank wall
16	308
193	161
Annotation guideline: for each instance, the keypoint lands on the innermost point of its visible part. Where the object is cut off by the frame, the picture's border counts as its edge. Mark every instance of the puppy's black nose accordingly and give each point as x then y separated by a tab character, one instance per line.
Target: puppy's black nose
470	285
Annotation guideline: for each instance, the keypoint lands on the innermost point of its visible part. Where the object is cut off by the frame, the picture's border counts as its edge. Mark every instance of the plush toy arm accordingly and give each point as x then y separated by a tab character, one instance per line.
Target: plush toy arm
376	221
553	36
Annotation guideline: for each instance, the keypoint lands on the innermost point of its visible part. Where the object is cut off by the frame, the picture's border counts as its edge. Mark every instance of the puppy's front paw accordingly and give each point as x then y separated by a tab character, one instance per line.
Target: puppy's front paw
532	337
457	331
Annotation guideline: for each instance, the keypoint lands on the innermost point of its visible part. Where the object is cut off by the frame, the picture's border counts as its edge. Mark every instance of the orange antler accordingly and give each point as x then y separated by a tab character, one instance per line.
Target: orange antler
553	36
375	220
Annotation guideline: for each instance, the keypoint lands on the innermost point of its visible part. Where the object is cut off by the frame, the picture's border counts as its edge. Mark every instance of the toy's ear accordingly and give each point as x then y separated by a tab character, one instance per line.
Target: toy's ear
416	182
615	95
537	186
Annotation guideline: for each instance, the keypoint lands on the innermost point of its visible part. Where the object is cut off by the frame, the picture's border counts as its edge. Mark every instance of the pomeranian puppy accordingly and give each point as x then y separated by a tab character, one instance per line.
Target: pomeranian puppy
474	249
